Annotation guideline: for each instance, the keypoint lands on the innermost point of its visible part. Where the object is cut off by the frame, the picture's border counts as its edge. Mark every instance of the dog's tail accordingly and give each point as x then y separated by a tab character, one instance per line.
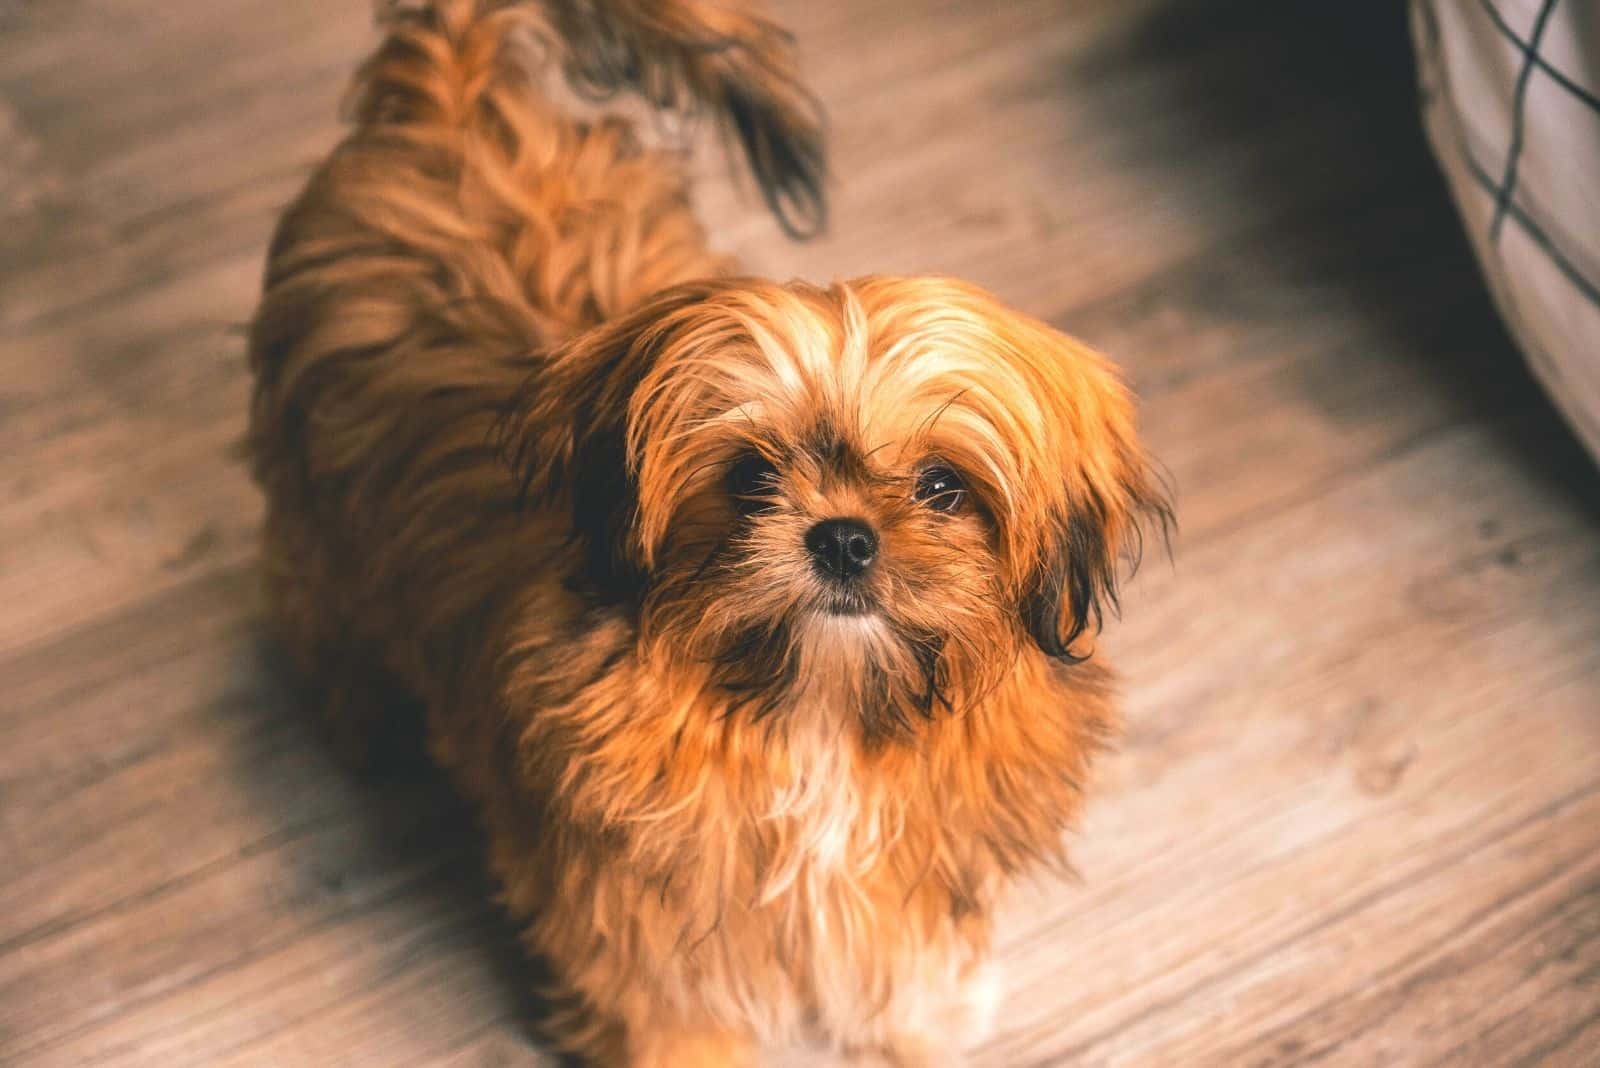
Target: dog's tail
721	57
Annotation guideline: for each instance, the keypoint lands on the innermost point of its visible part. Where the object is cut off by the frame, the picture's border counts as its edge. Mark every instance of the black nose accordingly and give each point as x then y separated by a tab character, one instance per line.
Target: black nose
842	548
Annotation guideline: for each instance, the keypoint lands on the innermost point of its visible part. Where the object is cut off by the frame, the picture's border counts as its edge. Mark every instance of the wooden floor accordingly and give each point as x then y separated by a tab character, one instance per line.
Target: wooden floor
1356	818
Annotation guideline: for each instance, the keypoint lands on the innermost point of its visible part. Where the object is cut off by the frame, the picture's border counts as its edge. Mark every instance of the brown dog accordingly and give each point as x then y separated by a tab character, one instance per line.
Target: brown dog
751	616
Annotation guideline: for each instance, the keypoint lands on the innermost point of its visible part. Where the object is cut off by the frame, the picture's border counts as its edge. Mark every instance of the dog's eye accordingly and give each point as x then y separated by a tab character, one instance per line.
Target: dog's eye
752	480
940	488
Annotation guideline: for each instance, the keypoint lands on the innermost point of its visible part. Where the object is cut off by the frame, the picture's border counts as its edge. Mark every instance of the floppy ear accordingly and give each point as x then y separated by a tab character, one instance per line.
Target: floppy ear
1075	583
1097	531
565	435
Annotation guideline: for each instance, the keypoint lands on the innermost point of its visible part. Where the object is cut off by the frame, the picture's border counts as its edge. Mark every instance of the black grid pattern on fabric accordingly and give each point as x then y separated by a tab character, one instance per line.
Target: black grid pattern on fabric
1519	111
1480	175
1534	231
1539	61
1503	190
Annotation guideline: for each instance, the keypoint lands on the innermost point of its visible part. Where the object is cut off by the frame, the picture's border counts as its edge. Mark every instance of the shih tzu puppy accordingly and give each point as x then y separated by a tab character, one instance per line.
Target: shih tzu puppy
754	618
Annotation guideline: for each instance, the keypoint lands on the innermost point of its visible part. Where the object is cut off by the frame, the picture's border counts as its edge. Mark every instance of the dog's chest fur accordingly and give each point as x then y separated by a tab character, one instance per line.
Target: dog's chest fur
811	896
774	868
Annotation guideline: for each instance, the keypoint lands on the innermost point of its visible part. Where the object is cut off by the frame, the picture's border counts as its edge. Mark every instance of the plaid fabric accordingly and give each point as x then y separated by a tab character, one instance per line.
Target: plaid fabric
1511	102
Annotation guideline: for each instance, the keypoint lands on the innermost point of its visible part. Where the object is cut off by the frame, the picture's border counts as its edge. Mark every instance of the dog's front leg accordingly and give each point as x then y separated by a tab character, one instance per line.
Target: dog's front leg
936	1024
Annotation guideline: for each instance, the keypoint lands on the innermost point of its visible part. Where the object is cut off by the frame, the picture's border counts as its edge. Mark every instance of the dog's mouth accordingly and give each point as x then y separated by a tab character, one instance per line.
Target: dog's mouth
847	601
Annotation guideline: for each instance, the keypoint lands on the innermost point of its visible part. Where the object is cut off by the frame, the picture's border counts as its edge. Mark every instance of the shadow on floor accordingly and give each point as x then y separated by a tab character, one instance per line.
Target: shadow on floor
414	822
1335	84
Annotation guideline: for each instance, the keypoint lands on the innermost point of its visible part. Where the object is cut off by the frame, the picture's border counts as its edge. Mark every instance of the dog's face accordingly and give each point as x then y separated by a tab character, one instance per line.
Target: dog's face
884	491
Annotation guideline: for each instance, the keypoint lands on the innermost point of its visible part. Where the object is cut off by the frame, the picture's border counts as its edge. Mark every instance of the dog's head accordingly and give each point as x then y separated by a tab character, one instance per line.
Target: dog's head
889	488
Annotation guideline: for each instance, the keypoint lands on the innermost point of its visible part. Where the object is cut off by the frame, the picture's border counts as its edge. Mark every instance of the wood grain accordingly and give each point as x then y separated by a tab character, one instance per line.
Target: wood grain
1356	817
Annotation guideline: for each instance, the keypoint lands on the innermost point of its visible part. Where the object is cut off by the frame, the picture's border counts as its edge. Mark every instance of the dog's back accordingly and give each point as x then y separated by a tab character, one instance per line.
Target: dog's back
468	223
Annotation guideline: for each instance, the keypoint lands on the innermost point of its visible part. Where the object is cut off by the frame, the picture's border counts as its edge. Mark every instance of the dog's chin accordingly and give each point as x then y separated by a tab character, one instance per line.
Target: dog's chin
849	640
846	603
840	598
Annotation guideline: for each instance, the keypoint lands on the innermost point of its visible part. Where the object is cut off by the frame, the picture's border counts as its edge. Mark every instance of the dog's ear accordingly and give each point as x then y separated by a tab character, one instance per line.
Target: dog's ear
1093	532
565	436
1074	583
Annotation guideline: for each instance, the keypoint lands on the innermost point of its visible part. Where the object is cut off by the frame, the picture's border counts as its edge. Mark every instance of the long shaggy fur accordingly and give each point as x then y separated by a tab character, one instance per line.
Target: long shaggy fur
503	394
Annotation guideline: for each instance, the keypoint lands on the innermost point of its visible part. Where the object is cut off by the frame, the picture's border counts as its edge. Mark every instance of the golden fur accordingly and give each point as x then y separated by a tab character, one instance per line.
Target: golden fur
504	399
